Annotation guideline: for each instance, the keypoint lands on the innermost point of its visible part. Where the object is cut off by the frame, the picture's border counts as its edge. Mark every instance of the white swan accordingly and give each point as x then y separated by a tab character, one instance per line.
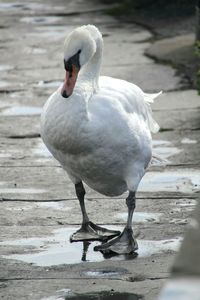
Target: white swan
98	128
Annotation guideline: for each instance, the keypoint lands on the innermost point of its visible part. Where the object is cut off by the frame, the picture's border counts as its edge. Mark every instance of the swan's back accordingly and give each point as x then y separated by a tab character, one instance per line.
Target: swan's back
127	98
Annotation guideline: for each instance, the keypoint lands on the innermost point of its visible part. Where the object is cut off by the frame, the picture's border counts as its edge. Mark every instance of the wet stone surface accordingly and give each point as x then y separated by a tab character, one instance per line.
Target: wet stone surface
38	207
57	250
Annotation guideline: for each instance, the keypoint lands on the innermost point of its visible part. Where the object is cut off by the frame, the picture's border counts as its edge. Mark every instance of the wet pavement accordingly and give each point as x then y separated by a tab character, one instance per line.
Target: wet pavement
39	210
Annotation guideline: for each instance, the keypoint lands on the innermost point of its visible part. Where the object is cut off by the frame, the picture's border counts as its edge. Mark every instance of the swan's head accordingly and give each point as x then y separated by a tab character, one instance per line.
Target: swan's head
79	47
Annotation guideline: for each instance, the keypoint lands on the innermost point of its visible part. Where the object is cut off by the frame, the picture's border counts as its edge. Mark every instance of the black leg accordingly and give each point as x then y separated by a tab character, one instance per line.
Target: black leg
89	231
80	193
125	242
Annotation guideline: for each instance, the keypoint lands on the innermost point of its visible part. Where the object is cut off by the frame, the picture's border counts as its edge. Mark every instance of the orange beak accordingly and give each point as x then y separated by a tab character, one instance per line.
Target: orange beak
70	81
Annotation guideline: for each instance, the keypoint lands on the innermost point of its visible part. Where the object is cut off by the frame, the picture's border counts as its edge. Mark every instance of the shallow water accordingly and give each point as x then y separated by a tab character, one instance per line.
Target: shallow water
188	141
13	6
105	295
56	249
41	150
4	83
53	205
182	180
21	111
45	84
164	148
43	20
6	68
21	191
141	217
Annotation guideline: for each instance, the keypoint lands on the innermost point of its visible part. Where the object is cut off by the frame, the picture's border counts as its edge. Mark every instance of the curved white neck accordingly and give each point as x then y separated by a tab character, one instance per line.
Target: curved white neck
90	72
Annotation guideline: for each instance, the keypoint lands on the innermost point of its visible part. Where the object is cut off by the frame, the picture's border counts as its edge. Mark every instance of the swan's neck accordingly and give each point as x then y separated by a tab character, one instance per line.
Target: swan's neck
90	72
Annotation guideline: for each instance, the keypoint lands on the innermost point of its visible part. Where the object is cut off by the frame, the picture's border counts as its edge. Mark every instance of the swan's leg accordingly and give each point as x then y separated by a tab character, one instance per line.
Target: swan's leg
89	230
125	243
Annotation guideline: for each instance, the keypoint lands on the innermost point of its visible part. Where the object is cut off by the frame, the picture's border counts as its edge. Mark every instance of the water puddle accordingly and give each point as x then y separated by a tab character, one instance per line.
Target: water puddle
4	83
53	205
10	6
41	150
107	295
57	205
21	191
6	68
183	181
188	141
34	50
164	148
44	84
103	295
60	295
5	155
43	20
22	111
57	250
13	6
142	217
55	33
105	272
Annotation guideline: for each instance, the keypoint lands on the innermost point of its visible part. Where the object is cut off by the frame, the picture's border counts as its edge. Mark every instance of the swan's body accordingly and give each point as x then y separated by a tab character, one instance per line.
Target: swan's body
100	133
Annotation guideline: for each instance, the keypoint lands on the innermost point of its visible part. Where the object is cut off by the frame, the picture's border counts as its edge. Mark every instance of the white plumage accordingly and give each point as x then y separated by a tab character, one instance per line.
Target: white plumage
100	133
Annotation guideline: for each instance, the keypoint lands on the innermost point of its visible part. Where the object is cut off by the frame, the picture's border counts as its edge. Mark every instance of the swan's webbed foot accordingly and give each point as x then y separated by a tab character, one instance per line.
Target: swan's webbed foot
91	232
125	243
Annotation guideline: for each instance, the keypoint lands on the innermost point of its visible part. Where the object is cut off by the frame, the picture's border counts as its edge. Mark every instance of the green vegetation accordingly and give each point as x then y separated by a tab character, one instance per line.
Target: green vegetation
154	8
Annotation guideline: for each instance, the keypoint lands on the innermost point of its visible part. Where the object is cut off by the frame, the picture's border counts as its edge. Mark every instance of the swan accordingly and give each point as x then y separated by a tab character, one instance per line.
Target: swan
99	129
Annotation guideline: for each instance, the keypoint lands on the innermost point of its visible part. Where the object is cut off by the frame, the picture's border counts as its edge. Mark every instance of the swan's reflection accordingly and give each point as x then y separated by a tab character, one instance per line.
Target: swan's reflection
110	255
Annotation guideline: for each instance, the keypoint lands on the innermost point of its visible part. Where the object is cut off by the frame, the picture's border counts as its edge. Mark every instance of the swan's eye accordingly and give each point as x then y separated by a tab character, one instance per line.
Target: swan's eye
68	65
73	60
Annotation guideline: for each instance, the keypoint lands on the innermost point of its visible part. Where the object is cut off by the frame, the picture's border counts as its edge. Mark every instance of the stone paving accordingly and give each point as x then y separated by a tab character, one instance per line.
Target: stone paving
39	209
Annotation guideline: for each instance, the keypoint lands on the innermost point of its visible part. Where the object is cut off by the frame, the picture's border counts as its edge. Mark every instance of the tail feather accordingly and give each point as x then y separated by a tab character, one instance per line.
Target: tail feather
149	98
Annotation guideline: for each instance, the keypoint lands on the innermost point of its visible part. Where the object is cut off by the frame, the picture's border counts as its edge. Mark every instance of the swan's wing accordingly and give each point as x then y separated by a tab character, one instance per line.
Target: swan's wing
132	98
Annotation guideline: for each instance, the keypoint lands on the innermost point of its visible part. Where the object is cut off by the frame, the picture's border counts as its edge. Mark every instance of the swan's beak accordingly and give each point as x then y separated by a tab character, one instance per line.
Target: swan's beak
70	81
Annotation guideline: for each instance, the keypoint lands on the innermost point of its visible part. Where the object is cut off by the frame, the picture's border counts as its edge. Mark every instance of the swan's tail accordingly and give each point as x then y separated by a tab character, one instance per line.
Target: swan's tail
149	98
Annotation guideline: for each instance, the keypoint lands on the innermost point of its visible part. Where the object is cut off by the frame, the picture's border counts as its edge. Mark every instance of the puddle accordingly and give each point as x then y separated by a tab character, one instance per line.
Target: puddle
10	6
103	295
164	148
105	272
5	155
188	141
22	111
13	6
41	150
55	33
188	204
45	84
21	191
57	205
183	181
141	217
60	294
6	68
34	50
4	83
57	250
40	20
106	295
54	205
